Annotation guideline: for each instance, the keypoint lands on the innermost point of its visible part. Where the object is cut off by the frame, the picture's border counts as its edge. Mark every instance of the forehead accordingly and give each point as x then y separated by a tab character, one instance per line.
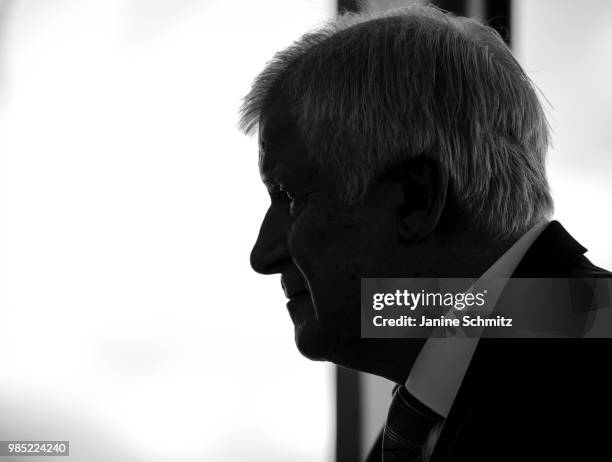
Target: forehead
282	152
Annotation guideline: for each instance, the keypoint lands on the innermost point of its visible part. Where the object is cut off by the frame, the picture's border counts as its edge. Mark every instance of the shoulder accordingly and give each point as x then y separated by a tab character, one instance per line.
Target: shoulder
582	267
556	254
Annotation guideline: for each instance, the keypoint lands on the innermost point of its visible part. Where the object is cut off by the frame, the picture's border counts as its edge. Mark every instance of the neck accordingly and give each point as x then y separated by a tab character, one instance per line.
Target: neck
466	254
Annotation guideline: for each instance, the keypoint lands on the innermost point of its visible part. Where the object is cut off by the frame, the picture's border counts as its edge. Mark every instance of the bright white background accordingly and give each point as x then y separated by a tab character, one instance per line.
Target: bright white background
566	48
131	322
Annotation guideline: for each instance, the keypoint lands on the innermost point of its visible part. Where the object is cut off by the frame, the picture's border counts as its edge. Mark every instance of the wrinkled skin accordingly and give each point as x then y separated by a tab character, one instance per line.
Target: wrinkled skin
322	248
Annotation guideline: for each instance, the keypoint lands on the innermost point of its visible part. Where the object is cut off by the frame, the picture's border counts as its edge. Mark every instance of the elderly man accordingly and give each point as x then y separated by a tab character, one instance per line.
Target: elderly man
412	144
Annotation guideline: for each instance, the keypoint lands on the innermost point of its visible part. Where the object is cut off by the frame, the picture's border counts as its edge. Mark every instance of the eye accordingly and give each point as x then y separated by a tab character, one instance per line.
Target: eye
296	201
280	193
286	194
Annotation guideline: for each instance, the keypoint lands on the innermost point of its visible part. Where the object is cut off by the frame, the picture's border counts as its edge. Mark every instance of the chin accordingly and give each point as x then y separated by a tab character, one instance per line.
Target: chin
314	344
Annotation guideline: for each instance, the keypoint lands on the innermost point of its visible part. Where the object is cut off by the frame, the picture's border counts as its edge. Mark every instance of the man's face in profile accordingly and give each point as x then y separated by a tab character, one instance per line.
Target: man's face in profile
320	247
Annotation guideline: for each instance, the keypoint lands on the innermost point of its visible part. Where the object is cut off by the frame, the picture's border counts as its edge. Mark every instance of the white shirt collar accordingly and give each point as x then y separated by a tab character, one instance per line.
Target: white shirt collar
439	369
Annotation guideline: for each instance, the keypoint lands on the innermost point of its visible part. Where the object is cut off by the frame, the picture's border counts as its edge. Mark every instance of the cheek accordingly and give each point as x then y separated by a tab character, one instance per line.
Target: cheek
333	251
338	246
318	238
330	251
320	251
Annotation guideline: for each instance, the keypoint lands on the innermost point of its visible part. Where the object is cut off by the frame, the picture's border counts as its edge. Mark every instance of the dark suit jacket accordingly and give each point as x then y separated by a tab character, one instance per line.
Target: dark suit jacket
534	399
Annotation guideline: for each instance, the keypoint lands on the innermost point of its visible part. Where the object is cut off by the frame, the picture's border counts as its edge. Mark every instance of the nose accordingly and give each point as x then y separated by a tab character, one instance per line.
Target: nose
270	253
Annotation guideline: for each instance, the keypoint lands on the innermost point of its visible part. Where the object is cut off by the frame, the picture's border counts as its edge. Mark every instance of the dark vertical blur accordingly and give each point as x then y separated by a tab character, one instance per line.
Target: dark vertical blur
495	13
347	6
458	7
348	415
498	15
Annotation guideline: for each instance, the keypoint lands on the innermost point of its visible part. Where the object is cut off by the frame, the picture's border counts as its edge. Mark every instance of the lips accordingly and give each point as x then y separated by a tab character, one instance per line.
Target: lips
293	288
295	294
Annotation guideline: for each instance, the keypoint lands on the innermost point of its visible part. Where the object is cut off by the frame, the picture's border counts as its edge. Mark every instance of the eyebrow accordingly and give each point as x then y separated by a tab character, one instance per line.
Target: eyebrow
270	179
272	176
274	181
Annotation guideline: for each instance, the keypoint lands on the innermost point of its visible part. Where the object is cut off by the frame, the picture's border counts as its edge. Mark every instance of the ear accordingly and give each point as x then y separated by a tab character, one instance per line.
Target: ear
424	184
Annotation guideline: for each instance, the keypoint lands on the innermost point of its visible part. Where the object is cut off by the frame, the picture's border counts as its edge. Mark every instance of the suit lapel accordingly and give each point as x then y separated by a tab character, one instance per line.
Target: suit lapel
551	253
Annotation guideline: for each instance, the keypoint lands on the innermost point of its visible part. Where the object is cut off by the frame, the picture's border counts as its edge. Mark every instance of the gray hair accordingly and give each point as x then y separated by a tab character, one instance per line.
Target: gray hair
369	91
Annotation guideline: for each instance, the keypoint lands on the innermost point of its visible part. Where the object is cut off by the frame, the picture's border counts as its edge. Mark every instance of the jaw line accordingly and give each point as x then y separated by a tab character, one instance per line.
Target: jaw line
334	357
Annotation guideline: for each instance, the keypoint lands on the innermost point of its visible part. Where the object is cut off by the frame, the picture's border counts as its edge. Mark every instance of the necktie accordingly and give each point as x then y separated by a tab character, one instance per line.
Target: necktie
408	427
